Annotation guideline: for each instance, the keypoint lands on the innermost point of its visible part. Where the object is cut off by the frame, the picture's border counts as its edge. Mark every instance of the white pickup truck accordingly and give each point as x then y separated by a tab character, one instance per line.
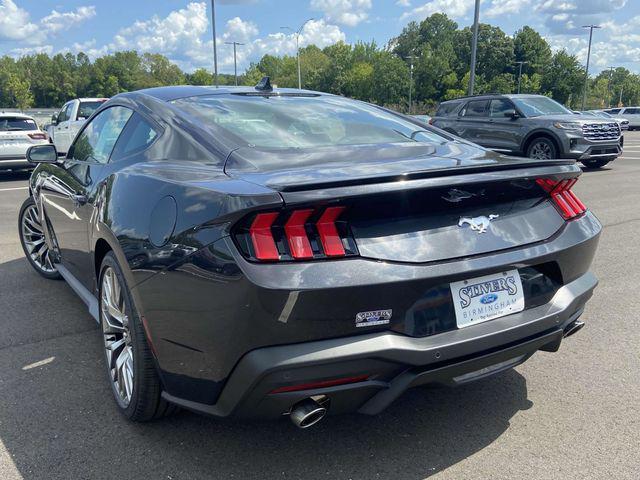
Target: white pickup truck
67	122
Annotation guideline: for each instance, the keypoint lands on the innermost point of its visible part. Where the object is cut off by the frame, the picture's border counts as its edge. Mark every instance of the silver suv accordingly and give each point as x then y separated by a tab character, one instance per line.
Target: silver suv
531	125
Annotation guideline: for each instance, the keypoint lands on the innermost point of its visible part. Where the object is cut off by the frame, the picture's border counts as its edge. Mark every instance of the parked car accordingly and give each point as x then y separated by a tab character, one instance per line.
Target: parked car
66	123
630	113
260	251
18	132
623	122
531	125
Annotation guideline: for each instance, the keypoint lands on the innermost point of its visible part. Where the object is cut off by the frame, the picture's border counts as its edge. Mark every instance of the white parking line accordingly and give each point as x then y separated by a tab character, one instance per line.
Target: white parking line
12	189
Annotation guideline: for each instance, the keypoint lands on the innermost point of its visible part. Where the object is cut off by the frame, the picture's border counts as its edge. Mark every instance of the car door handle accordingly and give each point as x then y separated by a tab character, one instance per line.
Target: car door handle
79	200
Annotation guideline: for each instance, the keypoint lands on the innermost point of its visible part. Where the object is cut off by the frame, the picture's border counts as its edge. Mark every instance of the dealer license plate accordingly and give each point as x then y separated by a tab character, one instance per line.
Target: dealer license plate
485	298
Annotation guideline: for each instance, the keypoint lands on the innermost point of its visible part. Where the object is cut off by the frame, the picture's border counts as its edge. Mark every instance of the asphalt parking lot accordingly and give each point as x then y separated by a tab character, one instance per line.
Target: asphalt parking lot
574	414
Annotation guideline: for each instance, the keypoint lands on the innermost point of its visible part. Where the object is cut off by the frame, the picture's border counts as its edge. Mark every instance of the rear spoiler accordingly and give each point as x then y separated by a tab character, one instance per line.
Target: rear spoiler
560	169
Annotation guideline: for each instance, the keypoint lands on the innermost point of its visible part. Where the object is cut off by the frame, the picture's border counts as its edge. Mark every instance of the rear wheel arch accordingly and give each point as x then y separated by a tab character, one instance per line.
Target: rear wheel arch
100	250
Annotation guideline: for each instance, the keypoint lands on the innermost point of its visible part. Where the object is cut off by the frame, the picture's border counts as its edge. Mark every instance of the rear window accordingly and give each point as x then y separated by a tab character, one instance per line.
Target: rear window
87	108
302	121
446	109
15	124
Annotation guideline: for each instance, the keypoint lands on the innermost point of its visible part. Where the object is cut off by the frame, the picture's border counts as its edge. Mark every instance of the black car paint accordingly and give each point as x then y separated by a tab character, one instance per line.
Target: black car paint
168	220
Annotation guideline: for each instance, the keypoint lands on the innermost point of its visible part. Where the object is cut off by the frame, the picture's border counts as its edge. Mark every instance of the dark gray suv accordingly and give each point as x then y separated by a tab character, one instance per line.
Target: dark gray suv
531	125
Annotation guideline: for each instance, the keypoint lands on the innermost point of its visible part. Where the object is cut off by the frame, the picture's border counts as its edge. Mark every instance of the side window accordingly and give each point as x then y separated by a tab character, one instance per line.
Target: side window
64	113
135	138
476	108
446	109
613	110
631	111
96	141
499	106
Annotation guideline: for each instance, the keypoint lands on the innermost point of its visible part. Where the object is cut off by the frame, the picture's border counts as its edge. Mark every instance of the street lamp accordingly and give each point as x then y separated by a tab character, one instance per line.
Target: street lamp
215	50
520	63
611	69
474	47
297	34
235	62
586	75
411	58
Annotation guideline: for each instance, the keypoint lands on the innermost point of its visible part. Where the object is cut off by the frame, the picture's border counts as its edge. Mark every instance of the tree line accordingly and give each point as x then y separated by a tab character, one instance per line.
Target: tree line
437	50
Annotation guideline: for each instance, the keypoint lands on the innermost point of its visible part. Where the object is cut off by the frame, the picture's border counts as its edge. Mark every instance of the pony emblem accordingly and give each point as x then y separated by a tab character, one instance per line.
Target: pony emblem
479	224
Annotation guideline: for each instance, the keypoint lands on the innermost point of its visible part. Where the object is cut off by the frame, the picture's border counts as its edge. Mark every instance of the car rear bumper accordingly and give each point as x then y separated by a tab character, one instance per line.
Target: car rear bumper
391	362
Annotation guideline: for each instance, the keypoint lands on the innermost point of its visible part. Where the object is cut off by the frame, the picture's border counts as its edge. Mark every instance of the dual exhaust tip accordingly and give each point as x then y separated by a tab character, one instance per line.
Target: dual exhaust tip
309	411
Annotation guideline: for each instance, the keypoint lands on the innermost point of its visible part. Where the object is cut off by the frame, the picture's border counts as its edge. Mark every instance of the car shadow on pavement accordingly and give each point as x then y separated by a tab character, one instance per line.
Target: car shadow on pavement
13	176
58	420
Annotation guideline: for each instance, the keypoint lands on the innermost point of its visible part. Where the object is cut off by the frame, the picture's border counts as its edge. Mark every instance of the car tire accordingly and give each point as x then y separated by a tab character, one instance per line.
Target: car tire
542	148
595	163
31	232
130	365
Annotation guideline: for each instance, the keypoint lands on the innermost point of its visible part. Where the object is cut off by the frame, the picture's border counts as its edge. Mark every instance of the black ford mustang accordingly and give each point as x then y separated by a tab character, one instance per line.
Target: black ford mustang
259	251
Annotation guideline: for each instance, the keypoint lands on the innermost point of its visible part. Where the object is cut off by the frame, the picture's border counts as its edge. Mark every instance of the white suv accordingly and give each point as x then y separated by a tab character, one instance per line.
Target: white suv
630	113
18	132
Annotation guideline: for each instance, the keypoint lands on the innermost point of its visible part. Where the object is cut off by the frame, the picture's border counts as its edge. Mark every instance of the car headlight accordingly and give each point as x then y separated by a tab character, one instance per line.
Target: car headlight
568	125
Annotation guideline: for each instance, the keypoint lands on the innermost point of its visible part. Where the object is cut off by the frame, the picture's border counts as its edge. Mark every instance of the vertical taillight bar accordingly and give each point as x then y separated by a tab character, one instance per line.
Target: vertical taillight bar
328	232
262	238
296	234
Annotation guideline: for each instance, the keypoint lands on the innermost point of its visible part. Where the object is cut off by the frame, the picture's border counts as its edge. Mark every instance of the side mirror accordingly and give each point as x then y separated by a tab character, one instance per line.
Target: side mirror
511	114
42	154
54	119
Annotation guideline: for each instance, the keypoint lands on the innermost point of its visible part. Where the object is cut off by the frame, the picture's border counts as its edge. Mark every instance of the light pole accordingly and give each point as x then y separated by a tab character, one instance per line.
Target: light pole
520	63
586	75
474	47
297	34
411	58
215	50
611	69
235	62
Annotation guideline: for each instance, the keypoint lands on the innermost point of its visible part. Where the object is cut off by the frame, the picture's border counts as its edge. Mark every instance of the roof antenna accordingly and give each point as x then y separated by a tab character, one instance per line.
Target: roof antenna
264	85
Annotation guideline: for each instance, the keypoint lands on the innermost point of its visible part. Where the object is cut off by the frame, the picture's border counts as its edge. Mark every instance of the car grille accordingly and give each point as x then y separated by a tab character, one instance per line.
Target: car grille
601	131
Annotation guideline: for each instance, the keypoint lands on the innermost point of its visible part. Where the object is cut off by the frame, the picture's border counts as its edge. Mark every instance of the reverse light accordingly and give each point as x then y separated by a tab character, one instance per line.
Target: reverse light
322	384
565	201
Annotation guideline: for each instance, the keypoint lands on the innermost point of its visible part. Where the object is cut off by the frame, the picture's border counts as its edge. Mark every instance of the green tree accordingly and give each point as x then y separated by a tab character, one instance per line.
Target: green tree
564	78
530	47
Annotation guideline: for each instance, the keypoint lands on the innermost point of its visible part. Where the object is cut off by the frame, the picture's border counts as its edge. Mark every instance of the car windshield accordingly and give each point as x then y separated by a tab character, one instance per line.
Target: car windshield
87	108
14	124
303	121
537	106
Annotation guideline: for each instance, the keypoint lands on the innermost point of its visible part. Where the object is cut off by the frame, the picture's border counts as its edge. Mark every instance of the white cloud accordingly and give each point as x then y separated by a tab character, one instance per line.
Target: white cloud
16	24
184	37
403	3
56	21
345	12
453	8
501	7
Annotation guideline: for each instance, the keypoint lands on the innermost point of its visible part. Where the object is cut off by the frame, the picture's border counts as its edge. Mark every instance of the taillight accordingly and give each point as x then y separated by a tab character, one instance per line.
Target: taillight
38	136
563	198
301	234
431	121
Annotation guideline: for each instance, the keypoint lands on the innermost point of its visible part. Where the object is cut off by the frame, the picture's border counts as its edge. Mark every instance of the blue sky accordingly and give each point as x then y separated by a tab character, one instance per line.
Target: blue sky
181	29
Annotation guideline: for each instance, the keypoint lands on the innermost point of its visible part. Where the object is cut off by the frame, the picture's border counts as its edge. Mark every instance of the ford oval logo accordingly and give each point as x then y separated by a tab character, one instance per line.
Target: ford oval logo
488	298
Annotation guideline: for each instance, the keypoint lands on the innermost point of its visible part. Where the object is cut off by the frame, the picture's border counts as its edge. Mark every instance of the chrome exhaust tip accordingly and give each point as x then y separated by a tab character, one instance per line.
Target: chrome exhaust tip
573	328
307	413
